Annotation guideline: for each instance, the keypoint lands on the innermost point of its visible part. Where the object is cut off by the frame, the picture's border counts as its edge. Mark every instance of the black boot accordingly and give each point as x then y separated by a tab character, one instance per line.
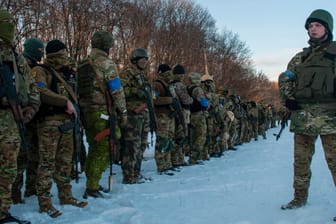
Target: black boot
92	193
11	219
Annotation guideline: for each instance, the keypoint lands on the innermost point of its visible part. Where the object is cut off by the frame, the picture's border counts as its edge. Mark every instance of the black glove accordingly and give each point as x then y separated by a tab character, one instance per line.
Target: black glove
292	104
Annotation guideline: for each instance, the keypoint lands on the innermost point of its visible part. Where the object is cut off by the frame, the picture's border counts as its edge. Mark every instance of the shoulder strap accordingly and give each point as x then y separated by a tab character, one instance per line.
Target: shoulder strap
67	87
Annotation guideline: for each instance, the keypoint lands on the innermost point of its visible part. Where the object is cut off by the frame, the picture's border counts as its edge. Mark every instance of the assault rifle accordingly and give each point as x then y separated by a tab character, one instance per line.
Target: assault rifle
8	90
178	113
152	118
283	123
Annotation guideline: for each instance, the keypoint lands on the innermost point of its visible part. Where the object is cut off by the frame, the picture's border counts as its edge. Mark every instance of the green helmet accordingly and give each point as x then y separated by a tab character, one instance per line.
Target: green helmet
195	78
139	53
7	26
322	16
102	40
33	49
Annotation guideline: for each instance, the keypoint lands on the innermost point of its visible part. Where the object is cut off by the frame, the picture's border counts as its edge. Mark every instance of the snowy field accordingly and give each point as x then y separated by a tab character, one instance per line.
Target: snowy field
246	186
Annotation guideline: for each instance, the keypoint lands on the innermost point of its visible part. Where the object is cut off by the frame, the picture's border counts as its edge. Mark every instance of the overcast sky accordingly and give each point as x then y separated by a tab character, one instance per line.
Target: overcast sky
273	30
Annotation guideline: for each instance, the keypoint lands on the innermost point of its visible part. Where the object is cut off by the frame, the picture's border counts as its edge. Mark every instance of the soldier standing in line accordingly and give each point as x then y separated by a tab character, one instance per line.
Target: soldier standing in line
28	160
197	118
209	88
308	89
98	83
140	109
253	116
22	95
55	148
164	111
181	127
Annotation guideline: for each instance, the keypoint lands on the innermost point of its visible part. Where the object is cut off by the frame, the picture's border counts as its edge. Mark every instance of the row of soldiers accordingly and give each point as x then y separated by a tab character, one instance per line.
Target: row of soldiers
201	121
46	107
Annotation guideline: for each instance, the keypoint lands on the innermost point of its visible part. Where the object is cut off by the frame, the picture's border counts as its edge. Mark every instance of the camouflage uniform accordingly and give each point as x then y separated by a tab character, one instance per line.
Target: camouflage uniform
95	86
181	133
28	160
197	118
211	122
253	116
26	96
135	134
307	86
165	122
55	148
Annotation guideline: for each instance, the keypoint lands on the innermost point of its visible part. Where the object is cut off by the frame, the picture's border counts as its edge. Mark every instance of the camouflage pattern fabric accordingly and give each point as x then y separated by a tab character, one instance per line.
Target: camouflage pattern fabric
134	135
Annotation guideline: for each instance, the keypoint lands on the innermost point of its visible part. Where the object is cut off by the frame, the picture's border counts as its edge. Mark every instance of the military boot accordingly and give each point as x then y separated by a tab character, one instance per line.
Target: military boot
300	199
50	210
92	193
11	219
73	201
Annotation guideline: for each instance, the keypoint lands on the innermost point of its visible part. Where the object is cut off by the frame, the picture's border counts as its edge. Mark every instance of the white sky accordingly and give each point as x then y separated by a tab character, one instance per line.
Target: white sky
246	186
272	29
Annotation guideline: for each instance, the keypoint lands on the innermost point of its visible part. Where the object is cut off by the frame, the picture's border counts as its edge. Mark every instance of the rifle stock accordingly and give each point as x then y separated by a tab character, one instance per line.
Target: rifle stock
283	124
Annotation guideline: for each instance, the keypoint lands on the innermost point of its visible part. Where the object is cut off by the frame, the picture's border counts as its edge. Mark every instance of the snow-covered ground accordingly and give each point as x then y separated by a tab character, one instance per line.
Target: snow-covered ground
246	186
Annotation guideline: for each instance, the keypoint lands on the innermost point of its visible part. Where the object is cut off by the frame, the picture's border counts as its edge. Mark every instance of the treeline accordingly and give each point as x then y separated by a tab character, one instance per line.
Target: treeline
173	31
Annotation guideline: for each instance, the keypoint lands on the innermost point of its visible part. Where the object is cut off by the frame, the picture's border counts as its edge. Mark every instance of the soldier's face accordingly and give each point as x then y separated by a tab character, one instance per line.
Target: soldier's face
316	30
142	63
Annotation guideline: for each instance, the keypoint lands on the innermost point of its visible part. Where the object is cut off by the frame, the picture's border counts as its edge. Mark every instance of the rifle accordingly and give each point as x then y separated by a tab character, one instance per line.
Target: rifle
178	113
112	137
283	123
152	118
9	91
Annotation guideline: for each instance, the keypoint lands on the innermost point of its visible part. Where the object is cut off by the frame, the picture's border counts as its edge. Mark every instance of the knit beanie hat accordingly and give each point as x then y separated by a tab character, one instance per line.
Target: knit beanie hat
33	49
178	70
54	46
163	68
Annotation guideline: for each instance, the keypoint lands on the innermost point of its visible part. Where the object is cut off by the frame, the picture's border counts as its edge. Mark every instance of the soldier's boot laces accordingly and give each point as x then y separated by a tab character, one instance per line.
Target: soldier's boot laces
51	211
73	201
293	204
12	219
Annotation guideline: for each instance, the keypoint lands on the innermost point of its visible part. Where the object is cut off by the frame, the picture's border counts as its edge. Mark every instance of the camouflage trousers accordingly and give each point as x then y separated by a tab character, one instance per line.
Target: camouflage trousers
27	161
180	141
164	141
198	136
210	143
9	149
55	161
304	149
134	138
232	133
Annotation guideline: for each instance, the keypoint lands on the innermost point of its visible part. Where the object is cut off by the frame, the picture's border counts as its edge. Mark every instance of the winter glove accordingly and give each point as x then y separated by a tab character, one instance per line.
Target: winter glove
28	114
292	104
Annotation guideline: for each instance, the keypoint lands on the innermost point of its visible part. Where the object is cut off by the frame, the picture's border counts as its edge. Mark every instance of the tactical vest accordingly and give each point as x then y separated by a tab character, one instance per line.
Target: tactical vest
8	85
195	106
85	79
316	78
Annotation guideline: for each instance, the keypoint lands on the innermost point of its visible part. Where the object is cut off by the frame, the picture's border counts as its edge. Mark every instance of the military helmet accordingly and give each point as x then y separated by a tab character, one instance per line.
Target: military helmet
206	77
195	78
33	49
178	70
7	26
139	53
102	40
322	16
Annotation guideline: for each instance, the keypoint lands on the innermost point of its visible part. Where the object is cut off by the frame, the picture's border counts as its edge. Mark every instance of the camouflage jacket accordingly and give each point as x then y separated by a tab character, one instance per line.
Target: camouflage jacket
304	80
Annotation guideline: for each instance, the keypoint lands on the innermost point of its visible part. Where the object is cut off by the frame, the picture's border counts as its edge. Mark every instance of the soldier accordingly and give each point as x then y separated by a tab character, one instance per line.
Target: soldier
98	84
32	54
197	118
55	147
139	110
253	116
23	96
164	110
181	122
212	124
307	86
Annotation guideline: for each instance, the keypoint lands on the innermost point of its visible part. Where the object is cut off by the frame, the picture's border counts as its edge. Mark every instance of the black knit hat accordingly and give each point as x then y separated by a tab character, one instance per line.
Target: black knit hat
178	70
163	68
54	46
